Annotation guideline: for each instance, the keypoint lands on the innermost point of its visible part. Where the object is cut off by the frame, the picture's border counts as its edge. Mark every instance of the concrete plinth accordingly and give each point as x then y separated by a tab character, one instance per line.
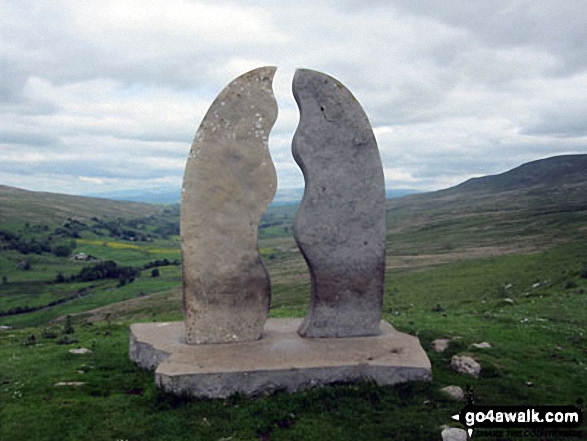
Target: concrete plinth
281	360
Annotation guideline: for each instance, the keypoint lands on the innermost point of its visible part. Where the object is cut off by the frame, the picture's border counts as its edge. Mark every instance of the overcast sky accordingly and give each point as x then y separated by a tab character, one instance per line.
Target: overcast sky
97	96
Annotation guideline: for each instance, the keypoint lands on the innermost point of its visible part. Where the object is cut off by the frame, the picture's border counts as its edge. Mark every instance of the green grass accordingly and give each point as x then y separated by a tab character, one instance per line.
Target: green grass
487	280
120	401
36	288
448	276
452	220
539	339
130	253
104	293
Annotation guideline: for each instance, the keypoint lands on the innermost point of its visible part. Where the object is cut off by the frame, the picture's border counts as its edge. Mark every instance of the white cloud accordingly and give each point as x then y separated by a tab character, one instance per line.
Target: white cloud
99	181
399	175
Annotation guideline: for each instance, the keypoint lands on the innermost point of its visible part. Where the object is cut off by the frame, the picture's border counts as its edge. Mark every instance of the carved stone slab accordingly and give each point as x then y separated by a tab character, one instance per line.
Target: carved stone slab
340	224
229	181
280	360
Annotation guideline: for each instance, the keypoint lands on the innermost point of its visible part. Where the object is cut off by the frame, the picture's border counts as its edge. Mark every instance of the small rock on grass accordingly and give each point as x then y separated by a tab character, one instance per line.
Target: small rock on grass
69	383
465	365
483	345
454	434
80	351
440	344
454	392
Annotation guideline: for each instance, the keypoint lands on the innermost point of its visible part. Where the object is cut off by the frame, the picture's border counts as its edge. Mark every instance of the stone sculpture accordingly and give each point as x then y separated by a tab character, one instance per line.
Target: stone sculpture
340	228
340	224
228	184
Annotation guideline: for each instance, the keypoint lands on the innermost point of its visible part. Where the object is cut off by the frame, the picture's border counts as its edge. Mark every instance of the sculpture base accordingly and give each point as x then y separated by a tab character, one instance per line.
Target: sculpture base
281	360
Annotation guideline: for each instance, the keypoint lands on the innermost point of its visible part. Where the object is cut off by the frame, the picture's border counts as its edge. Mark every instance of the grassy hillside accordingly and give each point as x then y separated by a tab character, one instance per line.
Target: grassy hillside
551	172
506	265
530	208
40	207
538	356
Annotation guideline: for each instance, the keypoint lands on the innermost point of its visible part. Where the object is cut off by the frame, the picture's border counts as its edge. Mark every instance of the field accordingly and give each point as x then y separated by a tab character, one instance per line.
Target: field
523	293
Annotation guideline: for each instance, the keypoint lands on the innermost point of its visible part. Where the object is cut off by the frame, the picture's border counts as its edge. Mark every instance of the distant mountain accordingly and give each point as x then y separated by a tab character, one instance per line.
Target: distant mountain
288	196
33	206
533	206
294	195
554	171
160	195
165	195
398	193
542	202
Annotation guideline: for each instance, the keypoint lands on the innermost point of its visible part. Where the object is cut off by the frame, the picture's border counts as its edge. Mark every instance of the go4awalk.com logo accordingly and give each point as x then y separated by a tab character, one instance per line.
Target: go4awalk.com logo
522	421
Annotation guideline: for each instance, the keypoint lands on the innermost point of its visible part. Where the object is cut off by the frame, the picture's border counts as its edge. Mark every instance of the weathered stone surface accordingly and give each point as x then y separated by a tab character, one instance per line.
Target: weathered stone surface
454	392
483	345
280	360
151	344
465	365
340	224
229	181
70	383
440	344
454	434
80	351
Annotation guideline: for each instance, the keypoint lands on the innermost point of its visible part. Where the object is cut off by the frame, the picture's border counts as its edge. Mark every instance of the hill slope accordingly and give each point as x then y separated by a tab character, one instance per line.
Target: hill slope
550	172
531	207
534	206
36	207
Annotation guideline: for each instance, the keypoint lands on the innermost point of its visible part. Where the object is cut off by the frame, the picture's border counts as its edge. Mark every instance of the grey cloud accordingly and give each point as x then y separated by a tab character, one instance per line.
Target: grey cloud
431	168
416	66
557	27
51	44
174	137
27	138
118	167
12	82
560	123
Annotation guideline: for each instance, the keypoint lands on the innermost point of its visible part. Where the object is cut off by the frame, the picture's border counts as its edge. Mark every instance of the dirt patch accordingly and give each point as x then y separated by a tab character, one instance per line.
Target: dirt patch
421	261
160	301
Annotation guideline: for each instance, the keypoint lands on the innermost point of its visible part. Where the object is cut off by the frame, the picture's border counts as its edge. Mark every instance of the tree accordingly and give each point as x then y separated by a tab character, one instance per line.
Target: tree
62	250
155	273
